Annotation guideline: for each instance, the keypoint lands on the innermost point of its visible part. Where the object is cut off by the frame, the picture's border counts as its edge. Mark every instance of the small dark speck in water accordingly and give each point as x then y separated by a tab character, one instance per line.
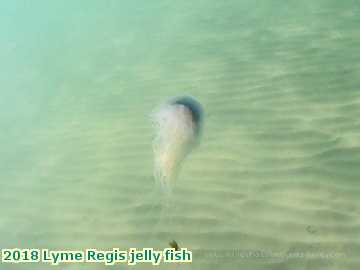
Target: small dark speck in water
311	229
174	245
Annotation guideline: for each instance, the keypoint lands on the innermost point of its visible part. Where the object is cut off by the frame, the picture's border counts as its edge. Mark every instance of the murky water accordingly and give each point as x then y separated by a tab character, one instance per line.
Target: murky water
275	181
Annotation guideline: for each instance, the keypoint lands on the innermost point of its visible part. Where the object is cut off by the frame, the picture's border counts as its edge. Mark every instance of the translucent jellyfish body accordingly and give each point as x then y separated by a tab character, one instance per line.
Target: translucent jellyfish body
178	127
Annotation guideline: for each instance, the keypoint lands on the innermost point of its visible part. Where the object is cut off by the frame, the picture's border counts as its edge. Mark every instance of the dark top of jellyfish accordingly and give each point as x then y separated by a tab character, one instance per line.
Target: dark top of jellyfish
194	107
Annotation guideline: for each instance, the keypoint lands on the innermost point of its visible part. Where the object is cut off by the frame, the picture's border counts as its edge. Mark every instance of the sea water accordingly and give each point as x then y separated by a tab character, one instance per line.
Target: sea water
275	181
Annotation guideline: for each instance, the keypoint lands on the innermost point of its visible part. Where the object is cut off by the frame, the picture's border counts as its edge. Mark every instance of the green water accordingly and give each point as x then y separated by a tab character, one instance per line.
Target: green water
277	172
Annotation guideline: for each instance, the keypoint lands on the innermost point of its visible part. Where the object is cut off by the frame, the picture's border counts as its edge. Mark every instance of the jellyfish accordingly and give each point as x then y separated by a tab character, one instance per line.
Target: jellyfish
178	127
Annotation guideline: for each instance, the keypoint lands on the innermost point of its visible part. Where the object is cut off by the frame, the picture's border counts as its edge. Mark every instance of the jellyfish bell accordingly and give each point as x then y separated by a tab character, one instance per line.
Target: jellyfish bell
178	127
